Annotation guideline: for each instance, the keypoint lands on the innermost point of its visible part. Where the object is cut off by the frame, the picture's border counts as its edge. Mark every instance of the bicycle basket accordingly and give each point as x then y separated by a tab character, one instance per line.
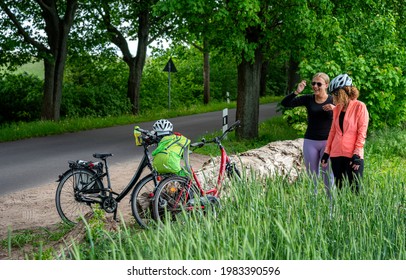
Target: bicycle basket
137	136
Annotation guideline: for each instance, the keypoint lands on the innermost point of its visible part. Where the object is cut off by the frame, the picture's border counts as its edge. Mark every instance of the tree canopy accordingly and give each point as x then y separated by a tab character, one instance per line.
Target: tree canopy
272	44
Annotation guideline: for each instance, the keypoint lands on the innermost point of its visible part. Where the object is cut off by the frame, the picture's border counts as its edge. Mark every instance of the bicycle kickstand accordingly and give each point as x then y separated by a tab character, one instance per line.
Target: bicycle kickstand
115	216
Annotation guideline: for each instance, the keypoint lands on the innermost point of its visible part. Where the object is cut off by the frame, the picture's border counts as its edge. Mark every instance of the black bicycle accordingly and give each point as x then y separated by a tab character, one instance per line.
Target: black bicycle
81	186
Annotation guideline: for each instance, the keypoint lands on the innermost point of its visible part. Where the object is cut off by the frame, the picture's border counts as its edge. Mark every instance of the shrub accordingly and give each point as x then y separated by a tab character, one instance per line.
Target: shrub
20	97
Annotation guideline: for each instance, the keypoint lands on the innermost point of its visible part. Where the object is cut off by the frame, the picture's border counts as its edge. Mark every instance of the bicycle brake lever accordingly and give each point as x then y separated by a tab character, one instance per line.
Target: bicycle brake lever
235	125
197	145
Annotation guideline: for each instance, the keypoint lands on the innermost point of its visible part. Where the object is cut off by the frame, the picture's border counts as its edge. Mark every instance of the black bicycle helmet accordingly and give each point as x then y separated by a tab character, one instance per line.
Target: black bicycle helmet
163	127
338	82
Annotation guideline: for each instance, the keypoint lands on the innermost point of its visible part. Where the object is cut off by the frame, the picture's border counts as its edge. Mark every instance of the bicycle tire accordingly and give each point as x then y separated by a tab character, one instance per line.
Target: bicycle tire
69	197
142	201
174	195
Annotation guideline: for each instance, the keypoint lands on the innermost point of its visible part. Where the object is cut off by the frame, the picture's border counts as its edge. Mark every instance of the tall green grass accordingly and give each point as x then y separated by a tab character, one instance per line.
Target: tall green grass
276	219
272	220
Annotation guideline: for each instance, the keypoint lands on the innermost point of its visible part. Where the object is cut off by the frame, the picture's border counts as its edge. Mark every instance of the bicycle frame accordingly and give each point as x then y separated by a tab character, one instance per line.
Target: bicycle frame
143	164
215	191
225	162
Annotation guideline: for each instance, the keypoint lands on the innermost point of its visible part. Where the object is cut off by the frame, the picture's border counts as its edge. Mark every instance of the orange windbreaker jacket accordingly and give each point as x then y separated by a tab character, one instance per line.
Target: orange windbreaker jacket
355	125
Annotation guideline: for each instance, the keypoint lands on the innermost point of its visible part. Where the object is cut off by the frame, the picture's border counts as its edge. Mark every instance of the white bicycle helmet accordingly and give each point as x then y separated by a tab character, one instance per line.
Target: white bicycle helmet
163	127
338	82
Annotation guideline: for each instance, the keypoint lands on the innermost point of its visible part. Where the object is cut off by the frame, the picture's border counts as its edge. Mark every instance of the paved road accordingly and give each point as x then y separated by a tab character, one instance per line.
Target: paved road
34	162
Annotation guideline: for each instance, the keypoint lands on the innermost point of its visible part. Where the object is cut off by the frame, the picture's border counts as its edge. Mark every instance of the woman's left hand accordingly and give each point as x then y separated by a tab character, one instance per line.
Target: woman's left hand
328	107
355	162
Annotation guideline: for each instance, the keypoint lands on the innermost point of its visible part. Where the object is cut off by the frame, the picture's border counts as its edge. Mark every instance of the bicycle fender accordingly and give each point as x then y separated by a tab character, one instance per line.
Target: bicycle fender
63	175
70	170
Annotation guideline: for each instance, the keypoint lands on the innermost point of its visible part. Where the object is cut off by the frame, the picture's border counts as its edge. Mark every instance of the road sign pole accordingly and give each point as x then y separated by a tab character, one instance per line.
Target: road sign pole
169	67
169	88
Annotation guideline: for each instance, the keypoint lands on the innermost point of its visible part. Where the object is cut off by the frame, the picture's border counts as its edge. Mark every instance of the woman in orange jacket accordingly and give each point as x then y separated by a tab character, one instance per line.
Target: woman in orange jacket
345	143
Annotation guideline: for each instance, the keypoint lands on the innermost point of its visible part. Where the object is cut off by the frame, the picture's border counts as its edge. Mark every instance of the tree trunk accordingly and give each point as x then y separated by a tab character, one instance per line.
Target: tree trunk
53	81
293	77
55	61
264	78
133	85
249	74
48	98
136	64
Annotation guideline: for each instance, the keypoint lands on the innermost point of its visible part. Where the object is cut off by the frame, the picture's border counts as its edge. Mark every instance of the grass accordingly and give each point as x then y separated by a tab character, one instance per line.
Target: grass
35	68
275	219
35	239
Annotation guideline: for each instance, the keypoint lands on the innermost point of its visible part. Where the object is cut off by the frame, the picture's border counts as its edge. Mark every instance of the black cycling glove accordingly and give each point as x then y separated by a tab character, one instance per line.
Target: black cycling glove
355	160
324	158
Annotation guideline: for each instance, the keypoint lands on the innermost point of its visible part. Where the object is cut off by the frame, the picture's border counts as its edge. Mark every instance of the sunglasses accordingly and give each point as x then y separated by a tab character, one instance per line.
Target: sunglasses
318	84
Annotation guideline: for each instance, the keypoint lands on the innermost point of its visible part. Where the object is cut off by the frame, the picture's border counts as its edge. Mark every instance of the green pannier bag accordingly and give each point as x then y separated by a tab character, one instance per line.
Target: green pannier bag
168	155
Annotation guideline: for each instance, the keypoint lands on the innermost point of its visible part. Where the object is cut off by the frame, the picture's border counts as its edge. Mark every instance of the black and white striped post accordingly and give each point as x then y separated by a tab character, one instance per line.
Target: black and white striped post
225	119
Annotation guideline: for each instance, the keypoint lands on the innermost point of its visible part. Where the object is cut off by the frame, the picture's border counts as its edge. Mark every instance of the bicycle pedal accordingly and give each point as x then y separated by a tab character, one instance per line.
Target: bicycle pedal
163	203
204	200
212	199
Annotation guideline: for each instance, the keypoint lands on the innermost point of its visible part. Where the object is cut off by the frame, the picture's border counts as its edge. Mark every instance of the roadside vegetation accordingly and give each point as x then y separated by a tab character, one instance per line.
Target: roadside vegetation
24	130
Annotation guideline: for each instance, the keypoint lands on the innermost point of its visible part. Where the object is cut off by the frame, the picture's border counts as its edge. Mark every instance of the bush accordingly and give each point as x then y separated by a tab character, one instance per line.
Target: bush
95	86
20	98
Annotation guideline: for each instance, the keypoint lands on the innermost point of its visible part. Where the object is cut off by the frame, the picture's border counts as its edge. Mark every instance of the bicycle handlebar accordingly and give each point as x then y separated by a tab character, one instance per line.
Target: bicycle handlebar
216	139
148	136
144	131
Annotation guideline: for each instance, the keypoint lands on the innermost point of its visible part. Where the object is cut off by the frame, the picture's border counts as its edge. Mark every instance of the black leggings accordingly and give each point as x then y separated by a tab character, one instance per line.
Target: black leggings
342	171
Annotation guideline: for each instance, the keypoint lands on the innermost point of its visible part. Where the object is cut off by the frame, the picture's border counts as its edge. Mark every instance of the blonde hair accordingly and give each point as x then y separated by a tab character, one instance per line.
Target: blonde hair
322	75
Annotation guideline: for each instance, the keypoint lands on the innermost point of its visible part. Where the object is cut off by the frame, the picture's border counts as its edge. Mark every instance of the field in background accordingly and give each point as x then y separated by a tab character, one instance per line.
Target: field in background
36	69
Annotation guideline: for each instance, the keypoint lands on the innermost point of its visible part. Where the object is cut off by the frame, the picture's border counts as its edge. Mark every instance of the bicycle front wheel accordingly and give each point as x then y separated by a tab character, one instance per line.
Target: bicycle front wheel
173	196
141	200
77	190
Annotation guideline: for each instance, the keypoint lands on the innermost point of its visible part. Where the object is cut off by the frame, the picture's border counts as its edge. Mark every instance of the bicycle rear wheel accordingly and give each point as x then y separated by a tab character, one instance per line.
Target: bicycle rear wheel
173	196
77	190
141	200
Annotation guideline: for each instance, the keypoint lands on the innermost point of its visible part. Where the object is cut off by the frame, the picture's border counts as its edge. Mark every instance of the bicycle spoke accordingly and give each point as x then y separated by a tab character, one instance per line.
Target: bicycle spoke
70	202
174	196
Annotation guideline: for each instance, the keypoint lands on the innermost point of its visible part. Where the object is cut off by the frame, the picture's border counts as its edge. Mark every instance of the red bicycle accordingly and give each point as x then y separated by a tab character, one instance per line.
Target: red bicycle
177	194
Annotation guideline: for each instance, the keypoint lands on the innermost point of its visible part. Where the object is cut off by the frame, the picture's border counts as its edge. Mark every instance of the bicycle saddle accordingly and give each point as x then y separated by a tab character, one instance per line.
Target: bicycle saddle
102	156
